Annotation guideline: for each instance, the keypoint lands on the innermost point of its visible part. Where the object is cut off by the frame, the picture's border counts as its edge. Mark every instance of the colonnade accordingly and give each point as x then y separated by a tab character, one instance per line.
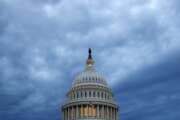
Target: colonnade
90	94
90	111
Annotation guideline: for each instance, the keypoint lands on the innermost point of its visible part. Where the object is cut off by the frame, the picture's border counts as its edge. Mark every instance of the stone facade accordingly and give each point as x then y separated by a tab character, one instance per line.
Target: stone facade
90	97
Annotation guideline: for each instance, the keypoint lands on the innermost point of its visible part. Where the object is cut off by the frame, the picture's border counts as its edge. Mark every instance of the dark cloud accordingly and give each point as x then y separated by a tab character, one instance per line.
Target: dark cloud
43	46
151	93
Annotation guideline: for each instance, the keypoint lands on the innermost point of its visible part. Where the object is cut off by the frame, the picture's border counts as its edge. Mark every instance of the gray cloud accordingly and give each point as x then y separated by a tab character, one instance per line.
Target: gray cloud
151	93
43	45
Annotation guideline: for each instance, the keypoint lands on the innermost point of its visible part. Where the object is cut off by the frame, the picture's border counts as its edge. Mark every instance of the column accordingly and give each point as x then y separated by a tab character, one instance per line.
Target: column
81	111
111	113
97	111
106	112
68	113
114	114
72	113
107	116
65	114
103	111
88	110
117	114
77	111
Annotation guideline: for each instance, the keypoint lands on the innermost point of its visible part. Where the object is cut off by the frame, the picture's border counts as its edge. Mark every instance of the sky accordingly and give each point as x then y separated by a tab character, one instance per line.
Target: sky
44	45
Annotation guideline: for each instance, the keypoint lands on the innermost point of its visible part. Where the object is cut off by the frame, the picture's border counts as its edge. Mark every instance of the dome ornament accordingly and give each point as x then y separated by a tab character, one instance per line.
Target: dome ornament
90	62
90	56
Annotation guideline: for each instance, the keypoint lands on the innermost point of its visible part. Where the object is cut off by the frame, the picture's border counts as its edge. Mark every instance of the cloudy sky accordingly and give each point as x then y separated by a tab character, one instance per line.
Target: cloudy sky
44	43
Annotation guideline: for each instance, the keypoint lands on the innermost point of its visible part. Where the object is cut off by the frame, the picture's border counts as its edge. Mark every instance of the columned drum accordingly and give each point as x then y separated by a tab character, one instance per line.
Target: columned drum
90	97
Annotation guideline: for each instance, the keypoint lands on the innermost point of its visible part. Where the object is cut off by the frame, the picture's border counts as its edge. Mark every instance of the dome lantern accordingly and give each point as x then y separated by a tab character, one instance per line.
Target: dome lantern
90	62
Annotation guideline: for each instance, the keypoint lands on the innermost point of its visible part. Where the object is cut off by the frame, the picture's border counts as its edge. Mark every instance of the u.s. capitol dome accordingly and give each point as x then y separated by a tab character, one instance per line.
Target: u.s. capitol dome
90	98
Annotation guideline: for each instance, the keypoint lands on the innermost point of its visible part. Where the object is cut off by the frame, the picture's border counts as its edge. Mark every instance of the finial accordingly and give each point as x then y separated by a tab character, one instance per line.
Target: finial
90	56
90	62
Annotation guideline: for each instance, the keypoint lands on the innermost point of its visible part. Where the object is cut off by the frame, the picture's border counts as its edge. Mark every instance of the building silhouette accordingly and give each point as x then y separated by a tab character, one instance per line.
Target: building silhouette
90	97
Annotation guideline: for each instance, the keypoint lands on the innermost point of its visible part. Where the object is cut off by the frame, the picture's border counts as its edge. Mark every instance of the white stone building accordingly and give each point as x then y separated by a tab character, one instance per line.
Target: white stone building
90	97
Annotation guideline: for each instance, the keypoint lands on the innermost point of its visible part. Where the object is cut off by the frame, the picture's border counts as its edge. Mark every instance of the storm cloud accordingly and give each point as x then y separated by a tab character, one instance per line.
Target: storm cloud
44	43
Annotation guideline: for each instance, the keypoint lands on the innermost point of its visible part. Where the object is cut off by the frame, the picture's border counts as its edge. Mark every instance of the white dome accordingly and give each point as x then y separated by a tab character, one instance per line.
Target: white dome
90	98
89	77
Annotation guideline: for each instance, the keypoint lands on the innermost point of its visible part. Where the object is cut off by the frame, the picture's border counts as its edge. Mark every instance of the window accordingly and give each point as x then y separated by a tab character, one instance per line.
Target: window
85	94
98	94
81	94
94	94
77	94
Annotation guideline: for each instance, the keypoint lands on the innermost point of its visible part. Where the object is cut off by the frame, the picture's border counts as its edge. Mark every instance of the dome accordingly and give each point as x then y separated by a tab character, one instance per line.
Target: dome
90	98
89	75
